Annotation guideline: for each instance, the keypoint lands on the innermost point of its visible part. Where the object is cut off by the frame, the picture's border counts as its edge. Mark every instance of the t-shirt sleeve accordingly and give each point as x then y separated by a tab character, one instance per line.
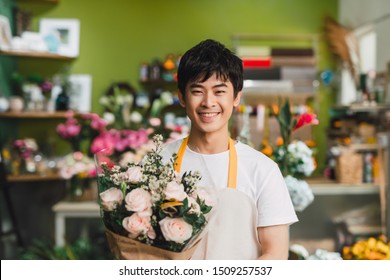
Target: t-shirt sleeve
274	204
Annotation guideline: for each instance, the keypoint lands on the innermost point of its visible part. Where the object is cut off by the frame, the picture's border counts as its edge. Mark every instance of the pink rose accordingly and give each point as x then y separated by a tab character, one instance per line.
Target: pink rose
66	172
175	229
204	195
134	174
175	191
78	155
155	121
111	198
137	225
139	200
103	142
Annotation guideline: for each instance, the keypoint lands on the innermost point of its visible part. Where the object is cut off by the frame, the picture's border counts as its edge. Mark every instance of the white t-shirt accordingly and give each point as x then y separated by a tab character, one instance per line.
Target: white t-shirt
258	177
260	199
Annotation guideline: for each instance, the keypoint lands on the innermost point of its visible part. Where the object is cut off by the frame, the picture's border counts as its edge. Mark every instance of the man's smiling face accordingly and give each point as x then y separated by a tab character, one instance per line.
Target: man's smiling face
209	104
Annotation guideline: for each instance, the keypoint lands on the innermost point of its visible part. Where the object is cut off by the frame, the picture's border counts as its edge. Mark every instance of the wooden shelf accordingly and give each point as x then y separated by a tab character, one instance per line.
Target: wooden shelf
323	186
365	230
32	178
36	55
33	115
365	147
362	107
44	1
252	98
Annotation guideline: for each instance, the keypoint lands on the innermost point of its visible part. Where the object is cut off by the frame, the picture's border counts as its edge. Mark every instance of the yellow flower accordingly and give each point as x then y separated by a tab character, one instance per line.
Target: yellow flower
267	150
279	141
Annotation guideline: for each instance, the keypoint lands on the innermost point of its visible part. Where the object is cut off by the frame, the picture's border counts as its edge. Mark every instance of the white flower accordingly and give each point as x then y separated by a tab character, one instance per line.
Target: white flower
109	117
194	206
321	254
300	192
136	117
166	98
300	158
300	251
31	144
299	148
134	174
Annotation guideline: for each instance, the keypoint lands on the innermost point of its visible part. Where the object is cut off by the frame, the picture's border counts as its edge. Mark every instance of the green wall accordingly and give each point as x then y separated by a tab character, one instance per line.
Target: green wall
7	64
118	35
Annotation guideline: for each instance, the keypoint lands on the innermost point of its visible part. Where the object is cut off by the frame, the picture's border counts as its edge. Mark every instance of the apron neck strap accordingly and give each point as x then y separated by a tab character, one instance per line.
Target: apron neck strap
232	172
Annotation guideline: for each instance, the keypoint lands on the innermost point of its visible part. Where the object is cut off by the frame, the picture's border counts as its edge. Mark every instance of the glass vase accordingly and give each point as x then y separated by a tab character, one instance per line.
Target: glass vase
81	189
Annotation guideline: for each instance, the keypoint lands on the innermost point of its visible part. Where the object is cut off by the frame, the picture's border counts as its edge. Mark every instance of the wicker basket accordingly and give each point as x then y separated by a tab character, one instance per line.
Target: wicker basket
349	167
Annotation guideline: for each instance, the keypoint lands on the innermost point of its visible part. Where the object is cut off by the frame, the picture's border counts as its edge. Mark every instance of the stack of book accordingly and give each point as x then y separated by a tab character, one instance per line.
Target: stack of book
278	70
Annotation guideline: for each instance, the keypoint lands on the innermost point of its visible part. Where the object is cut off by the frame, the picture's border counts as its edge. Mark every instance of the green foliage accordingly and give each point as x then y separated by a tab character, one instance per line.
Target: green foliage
81	249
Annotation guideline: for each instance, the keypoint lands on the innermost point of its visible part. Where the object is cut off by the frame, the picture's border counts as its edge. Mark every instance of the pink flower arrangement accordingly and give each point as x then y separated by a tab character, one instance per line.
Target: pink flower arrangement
76	164
83	129
119	141
92	129
25	147
70	129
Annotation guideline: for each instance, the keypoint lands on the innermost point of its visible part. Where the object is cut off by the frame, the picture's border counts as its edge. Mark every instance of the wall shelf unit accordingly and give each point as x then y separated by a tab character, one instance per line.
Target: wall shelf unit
33	115
25	178
276	67
362	108
362	122
36	55
43	1
327	187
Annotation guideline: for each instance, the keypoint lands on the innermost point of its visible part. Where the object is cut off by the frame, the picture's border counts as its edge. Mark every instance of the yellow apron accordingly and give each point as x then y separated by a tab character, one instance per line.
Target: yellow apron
232	232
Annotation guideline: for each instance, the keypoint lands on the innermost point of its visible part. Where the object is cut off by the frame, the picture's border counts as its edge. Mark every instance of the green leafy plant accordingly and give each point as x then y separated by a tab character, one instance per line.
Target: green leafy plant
81	249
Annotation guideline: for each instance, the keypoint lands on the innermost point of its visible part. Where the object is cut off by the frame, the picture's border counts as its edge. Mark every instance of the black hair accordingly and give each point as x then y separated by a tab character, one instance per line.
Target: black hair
207	58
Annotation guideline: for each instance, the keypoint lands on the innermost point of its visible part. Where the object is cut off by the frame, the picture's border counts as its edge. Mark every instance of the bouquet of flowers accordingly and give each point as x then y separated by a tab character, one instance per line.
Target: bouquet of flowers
294	157
82	131
26	149
368	249
149	210
77	168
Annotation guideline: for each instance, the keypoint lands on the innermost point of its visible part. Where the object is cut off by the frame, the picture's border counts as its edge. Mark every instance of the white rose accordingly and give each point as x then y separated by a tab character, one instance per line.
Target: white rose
111	198
194	206
175	191
134	174
137	225
139	200
136	117
109	117
175	229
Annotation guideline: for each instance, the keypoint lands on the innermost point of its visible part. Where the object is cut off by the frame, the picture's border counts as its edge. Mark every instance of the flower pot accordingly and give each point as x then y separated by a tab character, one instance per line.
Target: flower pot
16	104
4	104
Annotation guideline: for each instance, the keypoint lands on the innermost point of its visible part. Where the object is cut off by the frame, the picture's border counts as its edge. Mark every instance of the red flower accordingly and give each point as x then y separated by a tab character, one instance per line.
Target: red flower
306	119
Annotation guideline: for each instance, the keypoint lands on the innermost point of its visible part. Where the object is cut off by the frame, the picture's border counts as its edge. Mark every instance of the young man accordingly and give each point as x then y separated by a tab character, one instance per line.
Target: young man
254	209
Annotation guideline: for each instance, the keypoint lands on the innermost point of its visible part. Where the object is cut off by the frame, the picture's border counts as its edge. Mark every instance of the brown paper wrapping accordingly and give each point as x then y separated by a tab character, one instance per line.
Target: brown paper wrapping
125	248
